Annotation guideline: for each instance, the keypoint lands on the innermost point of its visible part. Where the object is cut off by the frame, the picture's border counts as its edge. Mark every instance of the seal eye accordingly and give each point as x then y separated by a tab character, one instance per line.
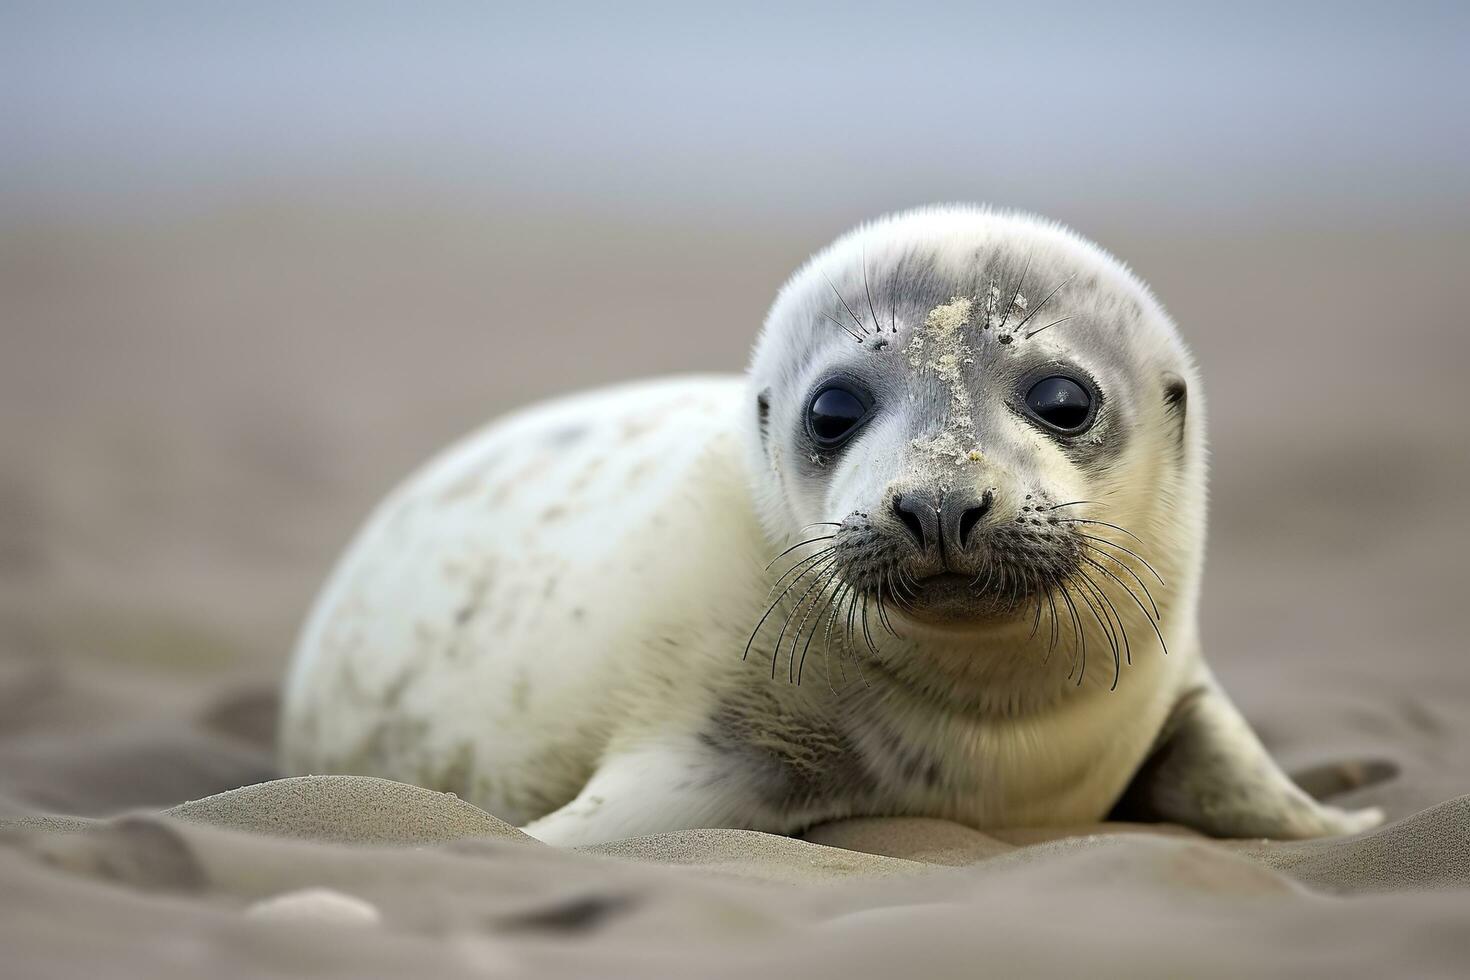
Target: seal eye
1062	403
835	414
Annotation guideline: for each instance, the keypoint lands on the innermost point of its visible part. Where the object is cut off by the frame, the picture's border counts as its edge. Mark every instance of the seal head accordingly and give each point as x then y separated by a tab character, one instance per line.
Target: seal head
979	421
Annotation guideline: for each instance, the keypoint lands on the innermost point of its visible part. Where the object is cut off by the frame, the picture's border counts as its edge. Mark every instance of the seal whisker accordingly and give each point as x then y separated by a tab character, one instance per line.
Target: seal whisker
1124	565
1134	596
1091	520
907	587
780	637
1102	592
850	630
883	612
1079	635
772	607
1101	587
862	328
799	544
867	634
844	327
1098	613
831	596
988	571
815	571
1070	503
1015	295
832	619
827	642
877	327
851	606
831	575
825	552
1037	308
1121	627
1055	631
1088	605
847	641
1114	544
1051	324
910	585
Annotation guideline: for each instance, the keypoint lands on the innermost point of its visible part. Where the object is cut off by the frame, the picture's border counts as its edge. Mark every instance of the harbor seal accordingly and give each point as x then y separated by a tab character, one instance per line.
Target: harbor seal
936	553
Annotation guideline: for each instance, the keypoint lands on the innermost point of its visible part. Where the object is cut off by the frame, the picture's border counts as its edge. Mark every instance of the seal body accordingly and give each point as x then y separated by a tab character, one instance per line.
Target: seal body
936	553
509	610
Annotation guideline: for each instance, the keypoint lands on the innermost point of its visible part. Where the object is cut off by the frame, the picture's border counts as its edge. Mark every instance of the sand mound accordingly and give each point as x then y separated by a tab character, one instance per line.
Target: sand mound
347	809
914	838
1429	850
749	854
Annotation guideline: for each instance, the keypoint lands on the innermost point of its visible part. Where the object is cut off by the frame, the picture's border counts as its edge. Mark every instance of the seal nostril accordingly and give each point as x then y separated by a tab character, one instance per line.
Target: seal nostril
971	517
904	508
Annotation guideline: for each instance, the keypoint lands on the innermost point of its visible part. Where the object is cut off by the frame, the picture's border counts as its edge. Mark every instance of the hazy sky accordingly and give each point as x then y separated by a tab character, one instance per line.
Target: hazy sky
1239	109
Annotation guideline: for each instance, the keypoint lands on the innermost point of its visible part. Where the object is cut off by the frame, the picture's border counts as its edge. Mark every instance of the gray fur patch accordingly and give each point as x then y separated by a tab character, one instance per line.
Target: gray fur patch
791	763
916	764
566	436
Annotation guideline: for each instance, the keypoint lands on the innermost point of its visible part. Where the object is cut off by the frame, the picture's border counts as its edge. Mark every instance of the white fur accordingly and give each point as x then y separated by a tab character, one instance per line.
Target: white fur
546	617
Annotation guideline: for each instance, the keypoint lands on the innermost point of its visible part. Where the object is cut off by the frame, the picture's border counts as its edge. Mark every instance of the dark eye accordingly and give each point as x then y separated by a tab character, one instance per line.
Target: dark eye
1062	403
835	414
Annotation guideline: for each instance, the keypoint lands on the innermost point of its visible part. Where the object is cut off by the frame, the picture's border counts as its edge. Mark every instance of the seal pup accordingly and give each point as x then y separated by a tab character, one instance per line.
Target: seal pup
937	553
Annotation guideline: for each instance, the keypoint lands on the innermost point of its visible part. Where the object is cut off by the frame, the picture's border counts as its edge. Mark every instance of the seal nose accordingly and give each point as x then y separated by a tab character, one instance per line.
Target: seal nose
960	513
917	512
942	526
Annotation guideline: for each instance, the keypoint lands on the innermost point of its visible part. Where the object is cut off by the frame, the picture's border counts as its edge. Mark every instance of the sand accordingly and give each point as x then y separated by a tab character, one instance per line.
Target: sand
434	887
194	415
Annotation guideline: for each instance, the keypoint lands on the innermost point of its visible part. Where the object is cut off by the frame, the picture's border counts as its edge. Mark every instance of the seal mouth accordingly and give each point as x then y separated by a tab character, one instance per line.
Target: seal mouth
956	599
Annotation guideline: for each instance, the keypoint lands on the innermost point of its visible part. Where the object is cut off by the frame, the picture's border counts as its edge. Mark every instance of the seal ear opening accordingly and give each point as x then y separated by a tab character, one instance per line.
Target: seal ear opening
1176	399
763	413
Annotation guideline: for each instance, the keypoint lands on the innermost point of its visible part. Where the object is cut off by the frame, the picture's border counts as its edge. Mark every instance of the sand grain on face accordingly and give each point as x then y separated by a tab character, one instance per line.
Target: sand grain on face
939	348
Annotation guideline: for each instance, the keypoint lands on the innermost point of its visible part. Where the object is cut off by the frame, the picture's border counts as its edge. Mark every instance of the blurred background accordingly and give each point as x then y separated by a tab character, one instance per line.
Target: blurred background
259	260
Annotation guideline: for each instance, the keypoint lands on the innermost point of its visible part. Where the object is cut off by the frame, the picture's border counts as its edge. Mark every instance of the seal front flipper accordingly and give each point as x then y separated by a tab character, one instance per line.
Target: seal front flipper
656	789
1209	771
